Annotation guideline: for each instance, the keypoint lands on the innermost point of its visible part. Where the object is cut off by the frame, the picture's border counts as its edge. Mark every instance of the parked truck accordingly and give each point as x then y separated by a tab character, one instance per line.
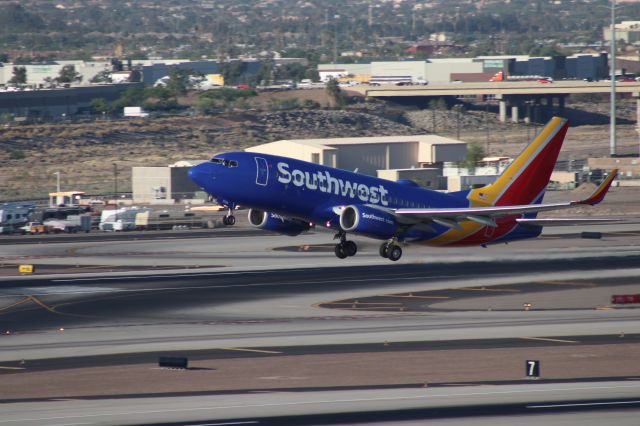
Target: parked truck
34	228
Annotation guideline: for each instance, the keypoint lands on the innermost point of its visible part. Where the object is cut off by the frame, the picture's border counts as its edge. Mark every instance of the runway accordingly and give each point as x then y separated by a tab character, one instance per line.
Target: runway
529	404
257	312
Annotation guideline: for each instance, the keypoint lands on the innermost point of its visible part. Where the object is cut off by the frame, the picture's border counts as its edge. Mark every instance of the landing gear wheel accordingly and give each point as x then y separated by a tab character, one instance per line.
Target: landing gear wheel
229	220
350	248
384	250
395	252
340	251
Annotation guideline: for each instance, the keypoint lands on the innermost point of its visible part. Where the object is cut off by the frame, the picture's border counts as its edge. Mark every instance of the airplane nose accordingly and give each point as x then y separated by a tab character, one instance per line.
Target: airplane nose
197	174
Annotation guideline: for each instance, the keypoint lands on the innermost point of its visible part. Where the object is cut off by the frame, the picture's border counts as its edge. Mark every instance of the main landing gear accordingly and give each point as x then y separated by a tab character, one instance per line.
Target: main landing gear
391	250
345	248
229	219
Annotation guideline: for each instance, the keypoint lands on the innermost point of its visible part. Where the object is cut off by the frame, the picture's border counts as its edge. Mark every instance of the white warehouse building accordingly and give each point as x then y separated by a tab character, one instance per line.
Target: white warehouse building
432	71
376	155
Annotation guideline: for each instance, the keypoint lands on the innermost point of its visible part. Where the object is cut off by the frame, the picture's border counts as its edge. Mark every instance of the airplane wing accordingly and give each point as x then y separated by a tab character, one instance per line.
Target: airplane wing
565	221
450	217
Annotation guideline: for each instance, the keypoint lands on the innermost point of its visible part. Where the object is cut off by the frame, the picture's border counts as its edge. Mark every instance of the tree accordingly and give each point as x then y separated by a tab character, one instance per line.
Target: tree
133	96
101	105
179	81
19	76
103	76
475	153
68	74
160	98
292	71
335	93
233	71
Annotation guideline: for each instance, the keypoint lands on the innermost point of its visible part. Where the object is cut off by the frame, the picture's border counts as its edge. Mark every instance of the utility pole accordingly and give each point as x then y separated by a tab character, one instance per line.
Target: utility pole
57	181
115	187
486	126
612	123
335	39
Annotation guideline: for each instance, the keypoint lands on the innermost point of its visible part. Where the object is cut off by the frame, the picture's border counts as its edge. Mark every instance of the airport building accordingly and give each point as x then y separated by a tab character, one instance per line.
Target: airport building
420	157
47	103
479	69
628	31
165	185
38	74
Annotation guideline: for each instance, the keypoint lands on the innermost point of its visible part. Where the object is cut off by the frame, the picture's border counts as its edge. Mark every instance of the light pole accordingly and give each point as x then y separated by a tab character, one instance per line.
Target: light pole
57	181
336	17
458	109
115	187
486	126
612	123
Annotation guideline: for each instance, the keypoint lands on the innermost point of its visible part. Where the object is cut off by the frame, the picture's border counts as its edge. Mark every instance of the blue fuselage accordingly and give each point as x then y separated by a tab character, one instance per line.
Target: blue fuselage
312	192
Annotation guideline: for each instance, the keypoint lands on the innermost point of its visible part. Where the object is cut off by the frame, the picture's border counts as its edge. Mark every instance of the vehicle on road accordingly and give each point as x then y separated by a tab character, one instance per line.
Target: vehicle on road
289	196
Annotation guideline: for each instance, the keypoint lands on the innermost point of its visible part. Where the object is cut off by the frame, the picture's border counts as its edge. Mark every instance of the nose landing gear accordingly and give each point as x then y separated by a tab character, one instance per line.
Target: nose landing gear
229	219
345	248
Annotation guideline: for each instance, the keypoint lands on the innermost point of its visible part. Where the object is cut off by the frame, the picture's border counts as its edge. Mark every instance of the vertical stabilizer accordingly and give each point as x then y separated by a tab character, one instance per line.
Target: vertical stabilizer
525	180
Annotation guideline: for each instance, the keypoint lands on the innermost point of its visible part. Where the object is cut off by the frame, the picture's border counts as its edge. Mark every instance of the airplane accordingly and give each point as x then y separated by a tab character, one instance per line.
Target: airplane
290	196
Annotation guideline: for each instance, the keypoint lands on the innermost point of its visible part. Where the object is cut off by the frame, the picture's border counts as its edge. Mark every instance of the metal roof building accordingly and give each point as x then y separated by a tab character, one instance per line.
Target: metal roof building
369	155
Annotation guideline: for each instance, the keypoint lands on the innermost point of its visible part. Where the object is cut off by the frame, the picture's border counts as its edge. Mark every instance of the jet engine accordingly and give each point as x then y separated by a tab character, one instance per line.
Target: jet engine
276	223
368	221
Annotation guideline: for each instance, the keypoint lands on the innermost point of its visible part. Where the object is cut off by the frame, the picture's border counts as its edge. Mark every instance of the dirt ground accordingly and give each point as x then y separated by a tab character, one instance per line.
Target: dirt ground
85	152
568	361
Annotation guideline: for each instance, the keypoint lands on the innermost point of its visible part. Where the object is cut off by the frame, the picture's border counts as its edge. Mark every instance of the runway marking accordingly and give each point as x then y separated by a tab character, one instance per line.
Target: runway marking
205	287
420	397
415	297
362	303
19	302
570	283
584	404
546	339
33	299
71	424
497	290
11	368
43	305
364	308
253	422
262	351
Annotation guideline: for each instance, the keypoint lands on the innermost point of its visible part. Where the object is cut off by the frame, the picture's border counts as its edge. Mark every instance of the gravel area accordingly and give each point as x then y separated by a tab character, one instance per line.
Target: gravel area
562	361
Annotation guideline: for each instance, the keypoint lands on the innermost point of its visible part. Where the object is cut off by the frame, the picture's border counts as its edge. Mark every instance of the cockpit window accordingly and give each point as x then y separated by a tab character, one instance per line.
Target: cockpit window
226	163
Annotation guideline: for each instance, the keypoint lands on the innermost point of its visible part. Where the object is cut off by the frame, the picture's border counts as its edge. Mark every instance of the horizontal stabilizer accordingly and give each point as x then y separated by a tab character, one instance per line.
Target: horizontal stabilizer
601	191
452	218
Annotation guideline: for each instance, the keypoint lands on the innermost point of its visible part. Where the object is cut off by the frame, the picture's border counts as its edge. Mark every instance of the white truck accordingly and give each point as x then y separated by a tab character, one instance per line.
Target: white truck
135	112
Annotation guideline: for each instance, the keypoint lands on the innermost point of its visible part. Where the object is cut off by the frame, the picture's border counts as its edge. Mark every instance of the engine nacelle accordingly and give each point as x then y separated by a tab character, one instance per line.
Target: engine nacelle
276	223
368	221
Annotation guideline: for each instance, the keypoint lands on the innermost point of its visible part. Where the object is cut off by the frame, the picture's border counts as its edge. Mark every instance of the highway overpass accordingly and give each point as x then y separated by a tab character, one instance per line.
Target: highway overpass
514	95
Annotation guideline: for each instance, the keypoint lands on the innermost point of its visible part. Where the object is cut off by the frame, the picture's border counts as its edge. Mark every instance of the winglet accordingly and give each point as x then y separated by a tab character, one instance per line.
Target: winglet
601	191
